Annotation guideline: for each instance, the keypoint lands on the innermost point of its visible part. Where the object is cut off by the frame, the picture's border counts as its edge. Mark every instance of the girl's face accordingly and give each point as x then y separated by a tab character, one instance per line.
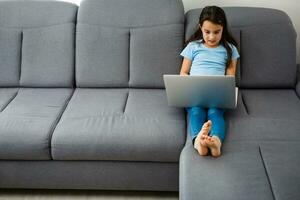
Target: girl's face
212	33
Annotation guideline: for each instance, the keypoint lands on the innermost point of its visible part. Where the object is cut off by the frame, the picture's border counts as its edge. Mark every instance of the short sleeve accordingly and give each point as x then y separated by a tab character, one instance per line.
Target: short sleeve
235	53
188	51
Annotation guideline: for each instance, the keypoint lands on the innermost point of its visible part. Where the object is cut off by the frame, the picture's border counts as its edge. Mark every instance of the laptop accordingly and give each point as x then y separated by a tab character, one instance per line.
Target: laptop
207	91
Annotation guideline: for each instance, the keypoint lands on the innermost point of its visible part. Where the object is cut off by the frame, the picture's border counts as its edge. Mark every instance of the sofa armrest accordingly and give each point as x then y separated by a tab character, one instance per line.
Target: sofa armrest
298	80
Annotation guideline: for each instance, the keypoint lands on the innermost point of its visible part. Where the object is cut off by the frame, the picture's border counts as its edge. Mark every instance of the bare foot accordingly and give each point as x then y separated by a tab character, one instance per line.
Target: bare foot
214	144
200	144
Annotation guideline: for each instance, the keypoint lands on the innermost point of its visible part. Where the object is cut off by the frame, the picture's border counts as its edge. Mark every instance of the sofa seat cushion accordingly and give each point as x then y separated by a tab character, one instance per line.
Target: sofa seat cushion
119	124
27	123
282	163
6	95
266	103
257	129
271	103
238	174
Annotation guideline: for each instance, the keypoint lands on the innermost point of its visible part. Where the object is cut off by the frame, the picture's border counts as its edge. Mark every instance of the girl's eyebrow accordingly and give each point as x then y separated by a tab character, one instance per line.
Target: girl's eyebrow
213	30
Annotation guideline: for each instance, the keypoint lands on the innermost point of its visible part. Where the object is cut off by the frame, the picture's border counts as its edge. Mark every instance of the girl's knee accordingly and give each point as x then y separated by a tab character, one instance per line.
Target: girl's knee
197	110
215	111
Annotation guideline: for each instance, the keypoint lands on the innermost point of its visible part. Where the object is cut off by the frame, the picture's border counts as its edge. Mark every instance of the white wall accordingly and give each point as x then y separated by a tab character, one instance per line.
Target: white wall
291	7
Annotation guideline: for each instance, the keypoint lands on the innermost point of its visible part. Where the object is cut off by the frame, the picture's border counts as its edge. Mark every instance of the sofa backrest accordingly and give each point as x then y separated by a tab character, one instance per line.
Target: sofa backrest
267	45
37	43
128	43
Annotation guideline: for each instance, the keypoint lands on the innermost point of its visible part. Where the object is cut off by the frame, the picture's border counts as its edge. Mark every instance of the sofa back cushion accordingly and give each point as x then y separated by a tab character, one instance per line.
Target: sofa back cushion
128	43
37	43
267	45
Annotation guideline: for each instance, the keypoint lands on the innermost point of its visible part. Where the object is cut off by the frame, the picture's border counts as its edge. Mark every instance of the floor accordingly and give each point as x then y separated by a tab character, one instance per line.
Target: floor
84	195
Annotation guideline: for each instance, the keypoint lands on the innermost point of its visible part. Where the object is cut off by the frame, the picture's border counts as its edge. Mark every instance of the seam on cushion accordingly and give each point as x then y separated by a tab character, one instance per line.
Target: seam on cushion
48	27
296	93
266	171
21	56
244	103
129	58
118	114
128	27
124	109
9	101
55	123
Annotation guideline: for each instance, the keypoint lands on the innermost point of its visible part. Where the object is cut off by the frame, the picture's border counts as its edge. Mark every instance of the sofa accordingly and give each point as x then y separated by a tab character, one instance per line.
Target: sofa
83	104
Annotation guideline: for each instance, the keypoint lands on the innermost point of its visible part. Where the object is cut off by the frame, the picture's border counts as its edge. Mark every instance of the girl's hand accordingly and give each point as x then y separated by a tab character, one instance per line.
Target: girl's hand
183	74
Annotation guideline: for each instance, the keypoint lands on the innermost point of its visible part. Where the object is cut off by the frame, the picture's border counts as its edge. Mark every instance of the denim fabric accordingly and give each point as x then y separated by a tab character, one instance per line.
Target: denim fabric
199	115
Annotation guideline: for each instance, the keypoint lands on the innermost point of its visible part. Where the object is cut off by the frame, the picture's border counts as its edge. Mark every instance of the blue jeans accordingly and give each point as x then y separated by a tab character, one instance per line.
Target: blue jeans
198	116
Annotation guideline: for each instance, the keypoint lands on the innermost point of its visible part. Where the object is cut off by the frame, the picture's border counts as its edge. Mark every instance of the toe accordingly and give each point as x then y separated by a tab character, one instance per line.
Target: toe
209	122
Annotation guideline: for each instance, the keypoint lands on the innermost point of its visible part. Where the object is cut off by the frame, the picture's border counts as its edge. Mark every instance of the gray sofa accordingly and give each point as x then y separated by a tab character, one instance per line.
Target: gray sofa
83	104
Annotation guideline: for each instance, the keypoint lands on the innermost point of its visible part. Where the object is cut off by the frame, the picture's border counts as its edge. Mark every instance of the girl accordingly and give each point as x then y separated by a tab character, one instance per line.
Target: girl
210	51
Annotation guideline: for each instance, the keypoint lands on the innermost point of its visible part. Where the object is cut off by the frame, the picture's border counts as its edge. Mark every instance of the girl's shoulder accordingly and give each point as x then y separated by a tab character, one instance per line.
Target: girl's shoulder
195	44
232	46
235	52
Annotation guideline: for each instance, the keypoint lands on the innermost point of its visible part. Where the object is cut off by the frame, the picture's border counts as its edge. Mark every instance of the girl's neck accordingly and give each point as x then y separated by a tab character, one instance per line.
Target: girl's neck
211	47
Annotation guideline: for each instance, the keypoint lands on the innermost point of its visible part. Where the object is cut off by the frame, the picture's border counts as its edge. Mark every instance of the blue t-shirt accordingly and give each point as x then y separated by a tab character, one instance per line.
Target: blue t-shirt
207	61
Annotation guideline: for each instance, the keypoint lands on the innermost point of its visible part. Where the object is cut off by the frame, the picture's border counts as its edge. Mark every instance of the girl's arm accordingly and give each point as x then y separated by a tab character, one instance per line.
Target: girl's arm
185	67
231	68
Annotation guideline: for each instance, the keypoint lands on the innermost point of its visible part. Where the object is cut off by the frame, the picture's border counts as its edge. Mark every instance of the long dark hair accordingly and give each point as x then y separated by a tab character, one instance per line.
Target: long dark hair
215	15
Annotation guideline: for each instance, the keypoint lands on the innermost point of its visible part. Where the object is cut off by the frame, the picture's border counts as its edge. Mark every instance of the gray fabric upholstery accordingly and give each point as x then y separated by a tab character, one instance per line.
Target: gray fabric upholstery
102	56
262	129
154	51
264	114
27	123
282	163
31	13
271	103
119	124
6	96
37	43
10	56
267	61
48	56
238	174
298	80
266	103
121	13
115	48
105	175
270	60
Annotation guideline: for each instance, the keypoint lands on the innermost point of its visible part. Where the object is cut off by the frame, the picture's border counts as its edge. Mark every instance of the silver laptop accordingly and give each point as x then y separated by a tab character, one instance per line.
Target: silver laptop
207	91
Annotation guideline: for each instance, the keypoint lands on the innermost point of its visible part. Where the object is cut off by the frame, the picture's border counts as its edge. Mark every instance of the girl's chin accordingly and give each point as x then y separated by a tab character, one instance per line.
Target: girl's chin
211	45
